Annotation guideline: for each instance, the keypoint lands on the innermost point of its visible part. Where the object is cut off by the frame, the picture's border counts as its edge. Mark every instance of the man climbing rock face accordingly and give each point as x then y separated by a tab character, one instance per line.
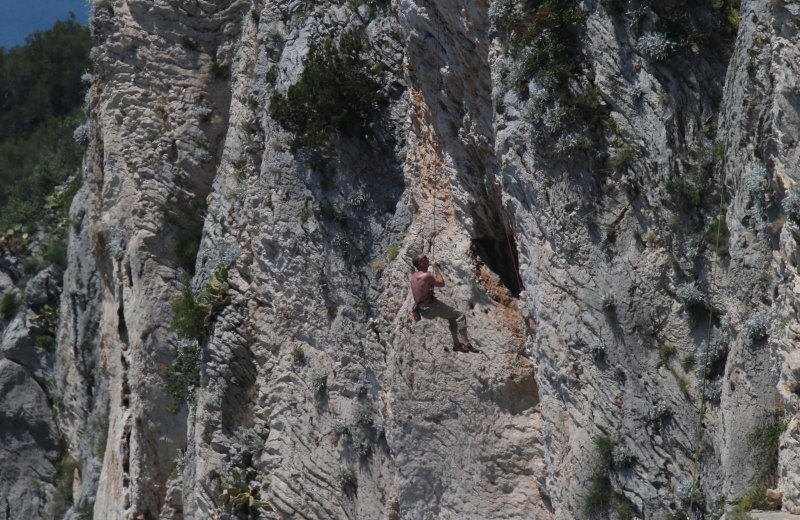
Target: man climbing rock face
427	306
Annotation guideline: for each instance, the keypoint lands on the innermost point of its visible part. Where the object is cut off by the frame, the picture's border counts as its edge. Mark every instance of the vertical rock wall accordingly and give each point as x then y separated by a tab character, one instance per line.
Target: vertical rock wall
584	330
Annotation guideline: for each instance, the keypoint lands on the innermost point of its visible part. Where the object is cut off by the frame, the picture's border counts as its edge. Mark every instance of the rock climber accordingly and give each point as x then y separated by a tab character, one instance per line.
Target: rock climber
427	306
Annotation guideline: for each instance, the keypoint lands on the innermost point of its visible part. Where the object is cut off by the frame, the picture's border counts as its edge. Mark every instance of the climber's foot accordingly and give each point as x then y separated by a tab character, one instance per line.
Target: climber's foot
458	347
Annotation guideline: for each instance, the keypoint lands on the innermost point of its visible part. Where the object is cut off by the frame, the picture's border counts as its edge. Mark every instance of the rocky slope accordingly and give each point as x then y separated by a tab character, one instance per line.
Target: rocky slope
619	226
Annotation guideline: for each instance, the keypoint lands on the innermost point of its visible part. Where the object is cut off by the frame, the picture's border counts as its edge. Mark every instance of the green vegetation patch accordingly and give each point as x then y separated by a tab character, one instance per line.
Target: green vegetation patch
335	93
765	441
598	497
8	306
684	192
193	316
183	377
40	97
544	37
183	250
238	495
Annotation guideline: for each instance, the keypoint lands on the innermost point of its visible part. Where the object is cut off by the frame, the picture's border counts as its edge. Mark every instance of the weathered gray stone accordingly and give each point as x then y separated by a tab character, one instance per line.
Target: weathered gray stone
44	287
28	446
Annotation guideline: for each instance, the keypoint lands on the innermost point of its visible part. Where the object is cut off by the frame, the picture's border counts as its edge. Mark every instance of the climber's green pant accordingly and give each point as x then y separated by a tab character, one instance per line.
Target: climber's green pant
458	323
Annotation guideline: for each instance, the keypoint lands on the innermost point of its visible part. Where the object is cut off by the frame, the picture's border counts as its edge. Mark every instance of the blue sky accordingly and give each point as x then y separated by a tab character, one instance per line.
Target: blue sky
19	18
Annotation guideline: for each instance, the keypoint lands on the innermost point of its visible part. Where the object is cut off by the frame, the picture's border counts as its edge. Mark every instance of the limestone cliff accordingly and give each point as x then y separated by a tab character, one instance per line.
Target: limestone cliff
608	185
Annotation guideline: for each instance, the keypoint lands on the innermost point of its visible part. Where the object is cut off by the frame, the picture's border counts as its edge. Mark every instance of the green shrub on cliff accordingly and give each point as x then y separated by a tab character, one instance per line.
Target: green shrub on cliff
8	306
183	376
335	93
193	316
545	39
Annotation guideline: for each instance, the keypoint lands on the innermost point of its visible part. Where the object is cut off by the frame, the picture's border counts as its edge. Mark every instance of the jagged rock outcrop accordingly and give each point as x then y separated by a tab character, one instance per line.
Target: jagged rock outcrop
620	229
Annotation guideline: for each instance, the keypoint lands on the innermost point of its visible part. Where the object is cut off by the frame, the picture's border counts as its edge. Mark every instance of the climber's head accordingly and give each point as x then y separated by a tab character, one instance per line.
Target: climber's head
421	262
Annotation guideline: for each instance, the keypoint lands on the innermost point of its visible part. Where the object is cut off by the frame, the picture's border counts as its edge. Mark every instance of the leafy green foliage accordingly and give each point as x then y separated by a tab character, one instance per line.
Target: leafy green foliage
56	252
219	71
544	37
8	306
335	92
346	478
40	96
298	356
683	191
193	316
46	342
598	497
41	80
765	441
64	476
183	251
271	75
183	377
238	495
666	351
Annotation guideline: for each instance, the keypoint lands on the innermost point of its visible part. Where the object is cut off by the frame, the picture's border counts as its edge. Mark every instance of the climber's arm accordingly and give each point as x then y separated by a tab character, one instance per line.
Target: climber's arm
437	278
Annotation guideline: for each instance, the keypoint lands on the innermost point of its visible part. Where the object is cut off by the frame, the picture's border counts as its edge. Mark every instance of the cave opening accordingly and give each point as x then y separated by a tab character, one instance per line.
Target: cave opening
500	255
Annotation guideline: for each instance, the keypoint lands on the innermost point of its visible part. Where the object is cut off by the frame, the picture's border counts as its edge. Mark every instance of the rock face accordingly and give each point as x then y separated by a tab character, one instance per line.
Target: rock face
621	233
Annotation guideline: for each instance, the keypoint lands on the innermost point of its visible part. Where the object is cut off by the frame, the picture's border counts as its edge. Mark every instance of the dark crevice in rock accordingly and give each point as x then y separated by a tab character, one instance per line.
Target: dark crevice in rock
122	327
501	257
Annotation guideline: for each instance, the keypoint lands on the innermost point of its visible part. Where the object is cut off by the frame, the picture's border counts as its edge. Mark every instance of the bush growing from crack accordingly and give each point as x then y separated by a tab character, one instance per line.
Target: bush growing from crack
318	382
298	356
756	327
659	411
360	444
8	306
193	316
608	300
597	349
570	143
346	478
621	457
765	442
46	342
755	179
238	495
666	351
544	39
336	92
716	348
363	414
655	46
683	191
689	294
183	250
598	496
183	376
791	206
358	200
340	427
